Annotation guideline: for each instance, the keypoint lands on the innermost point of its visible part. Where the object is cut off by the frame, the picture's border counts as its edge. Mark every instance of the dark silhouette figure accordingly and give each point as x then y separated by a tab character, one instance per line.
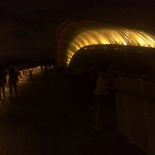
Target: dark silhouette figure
30	76
45	70
2	81
102	93
13	79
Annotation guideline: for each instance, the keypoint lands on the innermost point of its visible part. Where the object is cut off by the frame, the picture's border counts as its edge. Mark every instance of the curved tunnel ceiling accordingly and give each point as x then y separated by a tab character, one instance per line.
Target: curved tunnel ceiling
72	36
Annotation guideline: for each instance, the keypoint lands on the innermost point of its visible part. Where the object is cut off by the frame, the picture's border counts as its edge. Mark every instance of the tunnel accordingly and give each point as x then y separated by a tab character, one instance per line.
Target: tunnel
74	36
131	53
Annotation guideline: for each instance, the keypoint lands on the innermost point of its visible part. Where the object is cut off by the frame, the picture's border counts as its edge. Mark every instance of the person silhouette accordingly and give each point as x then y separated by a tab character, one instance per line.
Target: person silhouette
13	79
30	76
2	81
101	93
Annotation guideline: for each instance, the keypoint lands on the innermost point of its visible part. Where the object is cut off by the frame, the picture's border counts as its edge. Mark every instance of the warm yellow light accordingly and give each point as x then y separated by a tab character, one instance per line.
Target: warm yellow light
111	36
92	33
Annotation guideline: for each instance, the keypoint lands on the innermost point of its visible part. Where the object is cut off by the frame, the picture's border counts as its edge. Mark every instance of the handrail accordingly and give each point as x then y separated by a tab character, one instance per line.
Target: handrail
148	77
137	94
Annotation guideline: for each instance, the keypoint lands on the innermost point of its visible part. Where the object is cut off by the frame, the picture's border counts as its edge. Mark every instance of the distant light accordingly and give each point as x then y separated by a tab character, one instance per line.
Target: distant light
92	47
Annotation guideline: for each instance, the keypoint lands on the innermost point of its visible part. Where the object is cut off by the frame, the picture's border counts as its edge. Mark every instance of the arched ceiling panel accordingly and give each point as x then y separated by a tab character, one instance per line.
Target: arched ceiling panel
71	36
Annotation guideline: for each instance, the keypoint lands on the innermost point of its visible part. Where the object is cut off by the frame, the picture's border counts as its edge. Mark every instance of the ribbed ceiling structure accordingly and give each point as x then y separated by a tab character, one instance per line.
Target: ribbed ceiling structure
73	35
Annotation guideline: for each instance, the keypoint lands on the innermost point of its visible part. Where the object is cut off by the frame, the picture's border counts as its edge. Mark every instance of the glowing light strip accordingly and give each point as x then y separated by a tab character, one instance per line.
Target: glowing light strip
111	36
92	33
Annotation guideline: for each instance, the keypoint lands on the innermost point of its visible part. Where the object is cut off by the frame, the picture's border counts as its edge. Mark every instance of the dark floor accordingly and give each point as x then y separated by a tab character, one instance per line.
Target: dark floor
54	116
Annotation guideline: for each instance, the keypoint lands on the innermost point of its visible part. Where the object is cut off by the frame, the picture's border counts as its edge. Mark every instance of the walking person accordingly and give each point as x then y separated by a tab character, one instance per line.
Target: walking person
2	81
13	79
30	76
101	94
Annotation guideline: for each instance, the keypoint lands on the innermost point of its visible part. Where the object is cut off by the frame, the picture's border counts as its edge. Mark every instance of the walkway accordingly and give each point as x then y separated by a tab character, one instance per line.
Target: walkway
53	116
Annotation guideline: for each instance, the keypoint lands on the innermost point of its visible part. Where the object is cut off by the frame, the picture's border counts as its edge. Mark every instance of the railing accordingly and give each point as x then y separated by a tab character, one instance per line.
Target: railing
135	105
137	86
25	72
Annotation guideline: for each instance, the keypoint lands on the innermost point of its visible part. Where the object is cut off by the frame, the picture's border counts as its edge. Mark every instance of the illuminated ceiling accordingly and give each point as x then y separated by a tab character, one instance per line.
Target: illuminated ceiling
72	36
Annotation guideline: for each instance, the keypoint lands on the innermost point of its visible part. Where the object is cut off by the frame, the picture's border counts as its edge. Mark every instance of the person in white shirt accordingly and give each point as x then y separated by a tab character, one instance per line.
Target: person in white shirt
101	93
